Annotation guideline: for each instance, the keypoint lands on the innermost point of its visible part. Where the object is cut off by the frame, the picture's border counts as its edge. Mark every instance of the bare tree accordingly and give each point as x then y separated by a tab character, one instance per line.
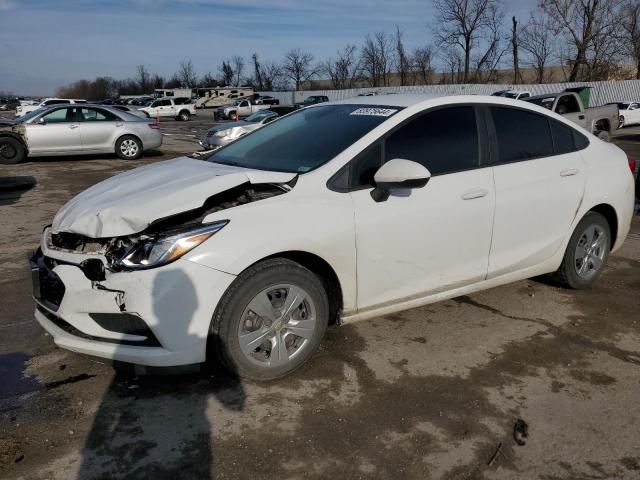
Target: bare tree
631	32
585	24
226	70
537	40
142	77
186	74
208	80
515	34
156	81
487	61
462	23
257	73
238	68
297	66
343	70
272	75
401	60
421	64
375	59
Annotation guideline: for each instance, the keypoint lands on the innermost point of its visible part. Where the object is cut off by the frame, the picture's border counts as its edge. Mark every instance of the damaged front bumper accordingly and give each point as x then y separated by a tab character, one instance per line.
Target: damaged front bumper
155	317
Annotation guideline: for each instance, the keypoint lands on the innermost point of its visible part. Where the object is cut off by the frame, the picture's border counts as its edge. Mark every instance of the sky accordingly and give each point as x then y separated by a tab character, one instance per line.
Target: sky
45	44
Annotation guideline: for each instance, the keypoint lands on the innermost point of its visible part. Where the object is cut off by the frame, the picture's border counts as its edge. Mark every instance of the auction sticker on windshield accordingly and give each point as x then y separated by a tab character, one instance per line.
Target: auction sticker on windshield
376	112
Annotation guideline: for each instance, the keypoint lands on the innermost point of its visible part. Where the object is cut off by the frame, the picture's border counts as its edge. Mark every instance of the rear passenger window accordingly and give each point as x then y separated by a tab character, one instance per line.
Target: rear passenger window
444	140
521	135
562	137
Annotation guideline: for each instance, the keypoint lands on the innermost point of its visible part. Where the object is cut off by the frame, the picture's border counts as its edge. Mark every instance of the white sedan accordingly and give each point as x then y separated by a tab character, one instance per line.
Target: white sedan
629	113
339	212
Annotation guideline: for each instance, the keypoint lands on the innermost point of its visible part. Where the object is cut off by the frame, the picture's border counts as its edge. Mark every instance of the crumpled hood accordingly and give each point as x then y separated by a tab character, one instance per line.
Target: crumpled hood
129	202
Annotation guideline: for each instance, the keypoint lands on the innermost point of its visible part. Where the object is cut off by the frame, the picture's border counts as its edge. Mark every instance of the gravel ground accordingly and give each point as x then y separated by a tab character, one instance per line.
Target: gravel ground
429	393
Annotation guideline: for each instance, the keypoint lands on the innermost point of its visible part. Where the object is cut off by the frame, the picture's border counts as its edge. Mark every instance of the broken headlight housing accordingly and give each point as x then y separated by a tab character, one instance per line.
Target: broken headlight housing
155	251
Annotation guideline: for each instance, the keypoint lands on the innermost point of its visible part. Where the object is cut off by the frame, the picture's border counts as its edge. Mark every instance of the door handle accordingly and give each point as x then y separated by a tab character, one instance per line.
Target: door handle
475	193
580	117
569	172
73	126
119	124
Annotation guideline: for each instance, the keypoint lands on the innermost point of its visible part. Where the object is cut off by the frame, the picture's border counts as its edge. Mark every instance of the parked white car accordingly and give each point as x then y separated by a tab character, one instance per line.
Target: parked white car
629	113
178	108
341	211
514	94
47	102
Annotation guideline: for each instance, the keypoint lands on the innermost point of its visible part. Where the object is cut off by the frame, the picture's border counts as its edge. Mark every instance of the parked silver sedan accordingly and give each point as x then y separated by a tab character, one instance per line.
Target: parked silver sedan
220	135
78	130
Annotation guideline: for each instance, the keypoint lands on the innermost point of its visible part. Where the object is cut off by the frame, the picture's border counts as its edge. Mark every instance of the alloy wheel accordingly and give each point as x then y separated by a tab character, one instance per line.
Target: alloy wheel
129	148
590	252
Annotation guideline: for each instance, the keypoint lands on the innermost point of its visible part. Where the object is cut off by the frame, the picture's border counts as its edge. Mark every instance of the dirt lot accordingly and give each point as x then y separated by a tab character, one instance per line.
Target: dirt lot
430	393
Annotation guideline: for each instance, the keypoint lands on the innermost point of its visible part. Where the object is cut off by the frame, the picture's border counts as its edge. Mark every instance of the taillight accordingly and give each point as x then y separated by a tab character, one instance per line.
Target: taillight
632	164
154	126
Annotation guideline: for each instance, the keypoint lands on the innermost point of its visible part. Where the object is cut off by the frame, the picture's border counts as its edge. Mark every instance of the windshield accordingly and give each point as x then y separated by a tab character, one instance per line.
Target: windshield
305	140
30	115
546	102
510	95
256	117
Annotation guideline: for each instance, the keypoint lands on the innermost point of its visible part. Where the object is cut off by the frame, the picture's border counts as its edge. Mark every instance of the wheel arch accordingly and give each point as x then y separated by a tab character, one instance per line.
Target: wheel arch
17	137
610	215
120	137
323	270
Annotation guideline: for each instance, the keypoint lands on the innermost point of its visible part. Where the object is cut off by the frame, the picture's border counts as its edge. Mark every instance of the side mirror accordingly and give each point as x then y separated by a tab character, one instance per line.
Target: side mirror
398	173
42	121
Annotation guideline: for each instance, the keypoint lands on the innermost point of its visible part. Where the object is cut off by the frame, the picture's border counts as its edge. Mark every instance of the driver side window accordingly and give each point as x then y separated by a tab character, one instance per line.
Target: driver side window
61	115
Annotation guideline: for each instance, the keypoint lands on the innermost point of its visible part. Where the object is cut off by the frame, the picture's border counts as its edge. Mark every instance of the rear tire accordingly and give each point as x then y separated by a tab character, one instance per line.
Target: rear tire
621	122
12	151
603	135
253	332
128	148
587	252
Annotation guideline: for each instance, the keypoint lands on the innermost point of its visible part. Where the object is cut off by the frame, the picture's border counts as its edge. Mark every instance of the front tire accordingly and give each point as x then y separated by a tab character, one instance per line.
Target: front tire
587	252
621	122
270	320
11	151
128	148
184	116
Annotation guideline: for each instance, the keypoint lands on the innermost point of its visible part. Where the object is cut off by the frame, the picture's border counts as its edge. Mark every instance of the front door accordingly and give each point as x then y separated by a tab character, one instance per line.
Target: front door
430	239
58	133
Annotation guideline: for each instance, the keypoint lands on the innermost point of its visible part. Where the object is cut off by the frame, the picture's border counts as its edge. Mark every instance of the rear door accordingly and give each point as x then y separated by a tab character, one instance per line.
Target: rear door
430	239
99	128
569	106
540	179
59	133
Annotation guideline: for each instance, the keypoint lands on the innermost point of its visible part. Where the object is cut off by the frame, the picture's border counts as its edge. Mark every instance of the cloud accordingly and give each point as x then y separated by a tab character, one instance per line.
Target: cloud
6	5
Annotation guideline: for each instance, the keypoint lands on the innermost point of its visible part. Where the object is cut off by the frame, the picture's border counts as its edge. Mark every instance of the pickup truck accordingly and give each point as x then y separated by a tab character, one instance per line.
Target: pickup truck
47	102
178	108
312	100
601	121
241	108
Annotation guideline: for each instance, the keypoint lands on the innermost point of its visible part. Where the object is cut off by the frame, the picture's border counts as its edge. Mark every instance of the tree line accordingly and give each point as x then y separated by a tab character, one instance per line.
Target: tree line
471	42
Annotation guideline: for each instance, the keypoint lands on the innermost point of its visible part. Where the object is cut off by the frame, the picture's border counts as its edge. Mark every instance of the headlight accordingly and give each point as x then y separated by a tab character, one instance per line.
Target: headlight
154	252
222	133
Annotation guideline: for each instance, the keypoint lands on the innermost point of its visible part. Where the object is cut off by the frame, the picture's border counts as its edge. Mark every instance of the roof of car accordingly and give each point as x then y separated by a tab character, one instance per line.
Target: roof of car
391	100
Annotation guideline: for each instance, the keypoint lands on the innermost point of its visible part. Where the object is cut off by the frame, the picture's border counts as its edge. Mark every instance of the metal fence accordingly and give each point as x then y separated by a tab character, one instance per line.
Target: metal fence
601	92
